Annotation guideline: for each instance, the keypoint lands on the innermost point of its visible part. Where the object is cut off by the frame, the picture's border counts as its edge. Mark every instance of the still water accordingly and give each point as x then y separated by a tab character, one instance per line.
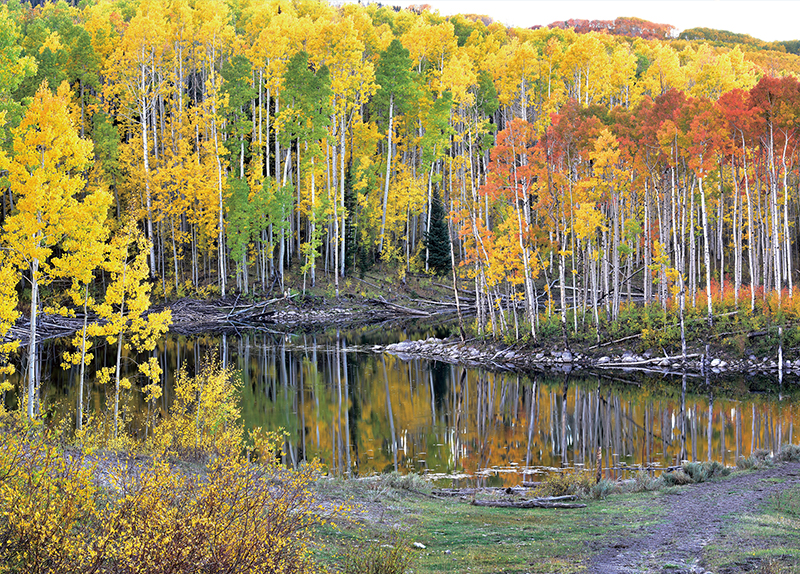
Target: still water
362	412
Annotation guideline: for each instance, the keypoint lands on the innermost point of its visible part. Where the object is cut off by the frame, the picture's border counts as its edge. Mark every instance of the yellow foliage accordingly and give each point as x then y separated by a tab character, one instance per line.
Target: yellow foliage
205	414
68	511
588	221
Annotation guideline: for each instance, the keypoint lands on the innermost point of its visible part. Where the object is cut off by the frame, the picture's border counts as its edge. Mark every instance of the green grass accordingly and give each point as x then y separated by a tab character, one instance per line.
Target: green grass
460	538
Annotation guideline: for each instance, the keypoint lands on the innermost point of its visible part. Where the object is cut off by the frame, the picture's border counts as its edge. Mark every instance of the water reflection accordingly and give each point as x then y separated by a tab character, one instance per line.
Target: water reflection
361	412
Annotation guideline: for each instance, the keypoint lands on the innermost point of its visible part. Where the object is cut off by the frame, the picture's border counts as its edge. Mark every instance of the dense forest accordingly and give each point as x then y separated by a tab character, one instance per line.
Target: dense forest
207	147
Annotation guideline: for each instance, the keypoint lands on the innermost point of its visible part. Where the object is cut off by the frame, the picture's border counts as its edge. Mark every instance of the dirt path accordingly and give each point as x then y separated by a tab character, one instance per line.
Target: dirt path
694	517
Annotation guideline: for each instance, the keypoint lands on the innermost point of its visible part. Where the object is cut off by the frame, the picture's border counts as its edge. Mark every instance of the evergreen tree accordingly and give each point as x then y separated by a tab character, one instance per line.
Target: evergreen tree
351	224
437	240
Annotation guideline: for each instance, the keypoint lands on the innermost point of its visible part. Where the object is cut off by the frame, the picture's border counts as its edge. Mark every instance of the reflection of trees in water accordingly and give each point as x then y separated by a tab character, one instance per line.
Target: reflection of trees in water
361	412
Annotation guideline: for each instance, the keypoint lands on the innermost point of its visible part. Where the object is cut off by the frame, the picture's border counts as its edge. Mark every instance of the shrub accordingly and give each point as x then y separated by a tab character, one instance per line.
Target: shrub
703	471
63	511
755	461
47	497
676	478
761	454
578	483
410	482
603	489
746	463
643	482
234	517
789	453
393	556
204	418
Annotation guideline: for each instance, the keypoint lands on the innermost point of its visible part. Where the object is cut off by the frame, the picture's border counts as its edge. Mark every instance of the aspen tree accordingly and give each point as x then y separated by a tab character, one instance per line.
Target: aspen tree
125	310
84	254
393	75
46	176
134	66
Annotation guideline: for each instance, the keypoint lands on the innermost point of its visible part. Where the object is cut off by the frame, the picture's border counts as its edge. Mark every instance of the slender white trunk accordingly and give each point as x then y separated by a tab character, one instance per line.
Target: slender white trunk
146	165
342	152
787	237
33	382
388	174
79	413
706	253
750	254
119	348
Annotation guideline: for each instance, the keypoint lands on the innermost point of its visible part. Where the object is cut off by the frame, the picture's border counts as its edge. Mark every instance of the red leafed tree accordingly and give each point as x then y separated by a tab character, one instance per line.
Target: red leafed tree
513	178
774	102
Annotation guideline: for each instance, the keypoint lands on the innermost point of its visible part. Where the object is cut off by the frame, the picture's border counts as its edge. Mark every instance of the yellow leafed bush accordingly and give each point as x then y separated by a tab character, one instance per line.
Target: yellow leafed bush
205	415
68	511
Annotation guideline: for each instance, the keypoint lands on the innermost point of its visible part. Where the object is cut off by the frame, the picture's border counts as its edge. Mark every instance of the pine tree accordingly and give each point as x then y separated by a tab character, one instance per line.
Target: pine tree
438	239
351	225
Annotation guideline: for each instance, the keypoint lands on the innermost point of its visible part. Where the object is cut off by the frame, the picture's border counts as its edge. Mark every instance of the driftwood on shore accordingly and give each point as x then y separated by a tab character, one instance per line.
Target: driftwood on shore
47	327
538	502
400	308
549	502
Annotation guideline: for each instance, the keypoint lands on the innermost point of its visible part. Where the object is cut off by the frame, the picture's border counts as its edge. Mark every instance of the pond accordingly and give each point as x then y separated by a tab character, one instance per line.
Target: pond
362	412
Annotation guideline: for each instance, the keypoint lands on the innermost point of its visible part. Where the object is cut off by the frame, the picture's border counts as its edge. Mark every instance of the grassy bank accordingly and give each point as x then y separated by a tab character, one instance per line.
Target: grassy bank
459	537
398	515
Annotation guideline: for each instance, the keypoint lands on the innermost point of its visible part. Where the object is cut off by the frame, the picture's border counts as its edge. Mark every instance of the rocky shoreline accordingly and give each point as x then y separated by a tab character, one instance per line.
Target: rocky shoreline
497	356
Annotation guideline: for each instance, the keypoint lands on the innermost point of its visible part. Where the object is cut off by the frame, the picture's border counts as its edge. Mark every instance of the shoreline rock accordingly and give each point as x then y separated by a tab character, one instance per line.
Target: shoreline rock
501	357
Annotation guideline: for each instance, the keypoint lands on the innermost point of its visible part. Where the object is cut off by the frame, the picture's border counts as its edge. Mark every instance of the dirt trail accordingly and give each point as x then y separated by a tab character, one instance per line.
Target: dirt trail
694	517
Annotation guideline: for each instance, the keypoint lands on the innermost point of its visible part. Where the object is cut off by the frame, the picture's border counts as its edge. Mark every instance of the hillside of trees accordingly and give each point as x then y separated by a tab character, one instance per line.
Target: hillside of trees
626	26
217	145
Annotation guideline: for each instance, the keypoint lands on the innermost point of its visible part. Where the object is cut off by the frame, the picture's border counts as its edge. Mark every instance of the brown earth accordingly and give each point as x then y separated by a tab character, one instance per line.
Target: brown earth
696	517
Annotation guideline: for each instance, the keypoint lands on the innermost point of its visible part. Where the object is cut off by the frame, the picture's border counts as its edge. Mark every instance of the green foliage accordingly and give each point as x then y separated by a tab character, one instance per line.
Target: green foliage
487	94
353	253
393	75
307	91
240	217
438	239
237	86
789	453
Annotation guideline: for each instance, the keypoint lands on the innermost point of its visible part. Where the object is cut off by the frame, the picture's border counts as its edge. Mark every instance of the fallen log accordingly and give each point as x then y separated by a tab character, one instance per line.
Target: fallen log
479	490
438	303
407	310
645	362
535	503
636	336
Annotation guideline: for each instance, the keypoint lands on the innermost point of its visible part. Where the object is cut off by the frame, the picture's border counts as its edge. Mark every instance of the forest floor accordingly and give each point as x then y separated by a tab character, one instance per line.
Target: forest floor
748	521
